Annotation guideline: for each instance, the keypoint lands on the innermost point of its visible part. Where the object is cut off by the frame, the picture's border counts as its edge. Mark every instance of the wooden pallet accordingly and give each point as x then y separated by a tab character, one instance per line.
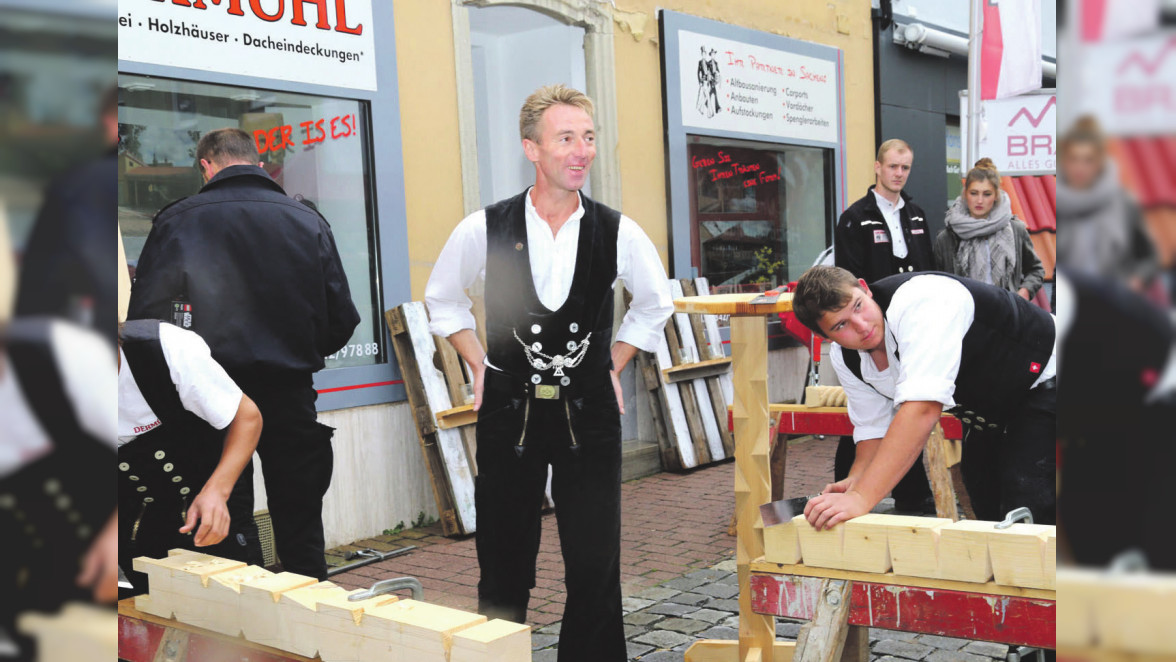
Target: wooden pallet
690	387
433	375
296	615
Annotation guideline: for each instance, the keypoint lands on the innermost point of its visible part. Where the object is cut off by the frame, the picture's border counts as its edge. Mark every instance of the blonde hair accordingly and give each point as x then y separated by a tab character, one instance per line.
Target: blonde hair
544	98
893	144
984	171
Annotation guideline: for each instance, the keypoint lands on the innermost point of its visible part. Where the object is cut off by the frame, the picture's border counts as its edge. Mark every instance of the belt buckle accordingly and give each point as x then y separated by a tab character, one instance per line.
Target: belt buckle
547	392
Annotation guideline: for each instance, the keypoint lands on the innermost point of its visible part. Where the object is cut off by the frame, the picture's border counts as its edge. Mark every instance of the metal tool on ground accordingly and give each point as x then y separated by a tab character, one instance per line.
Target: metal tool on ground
366	556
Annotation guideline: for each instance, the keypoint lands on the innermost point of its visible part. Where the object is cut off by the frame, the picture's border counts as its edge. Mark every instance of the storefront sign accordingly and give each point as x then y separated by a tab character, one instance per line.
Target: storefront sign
325	42
1019	134
1130	84
734	86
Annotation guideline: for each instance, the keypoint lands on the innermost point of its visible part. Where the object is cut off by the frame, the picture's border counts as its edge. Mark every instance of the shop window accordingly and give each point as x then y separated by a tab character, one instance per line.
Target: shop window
761	213
955	170
316	148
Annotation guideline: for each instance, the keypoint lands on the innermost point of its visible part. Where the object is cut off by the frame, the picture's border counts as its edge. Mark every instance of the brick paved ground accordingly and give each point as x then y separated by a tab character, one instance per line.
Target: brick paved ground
677	568
671	524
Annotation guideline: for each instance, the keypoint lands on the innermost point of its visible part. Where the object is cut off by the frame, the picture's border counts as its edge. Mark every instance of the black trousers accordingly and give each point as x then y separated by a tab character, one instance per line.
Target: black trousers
153	530
297	462
1017	467
912	490
586	487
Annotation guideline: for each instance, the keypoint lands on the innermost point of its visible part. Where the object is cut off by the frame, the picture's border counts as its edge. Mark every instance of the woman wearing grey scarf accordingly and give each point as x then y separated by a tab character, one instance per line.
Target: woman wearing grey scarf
1104	231
984	241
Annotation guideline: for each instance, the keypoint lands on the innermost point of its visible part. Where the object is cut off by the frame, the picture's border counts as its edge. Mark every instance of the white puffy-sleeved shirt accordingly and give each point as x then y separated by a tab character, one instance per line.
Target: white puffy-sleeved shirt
925	324
553	262
86	364
205	389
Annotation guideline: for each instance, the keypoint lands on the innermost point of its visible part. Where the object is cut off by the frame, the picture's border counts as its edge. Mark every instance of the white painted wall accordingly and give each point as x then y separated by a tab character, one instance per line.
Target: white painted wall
514	51
380	478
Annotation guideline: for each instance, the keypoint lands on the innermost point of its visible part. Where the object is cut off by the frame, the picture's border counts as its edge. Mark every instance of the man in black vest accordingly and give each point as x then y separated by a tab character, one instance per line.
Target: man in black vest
913	345
882	234
546	389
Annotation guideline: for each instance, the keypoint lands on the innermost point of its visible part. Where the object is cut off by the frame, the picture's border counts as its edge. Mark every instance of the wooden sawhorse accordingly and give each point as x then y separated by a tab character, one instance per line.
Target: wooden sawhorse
842	606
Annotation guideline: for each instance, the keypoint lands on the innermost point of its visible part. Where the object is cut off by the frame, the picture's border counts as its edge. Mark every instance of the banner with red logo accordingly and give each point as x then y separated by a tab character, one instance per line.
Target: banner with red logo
1136	83
324	42
1010	54
1112	19
1019	134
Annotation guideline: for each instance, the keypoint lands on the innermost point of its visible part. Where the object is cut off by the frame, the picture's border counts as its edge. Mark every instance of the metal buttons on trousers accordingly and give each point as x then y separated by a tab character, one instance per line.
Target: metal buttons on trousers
535	379
564	381
52	486
537	347
123	466
159	455
571	345
7	501
573	327
168	467
141	488
177	479
185	490
62	502
536	329
148	499
134	478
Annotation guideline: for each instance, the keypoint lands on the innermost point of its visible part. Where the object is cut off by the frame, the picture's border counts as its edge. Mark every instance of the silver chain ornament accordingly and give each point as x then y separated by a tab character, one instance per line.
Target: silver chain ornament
559	362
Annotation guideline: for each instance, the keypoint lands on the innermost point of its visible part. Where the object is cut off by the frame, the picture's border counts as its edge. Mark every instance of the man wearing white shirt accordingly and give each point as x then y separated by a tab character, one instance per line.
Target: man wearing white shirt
546	388
909	347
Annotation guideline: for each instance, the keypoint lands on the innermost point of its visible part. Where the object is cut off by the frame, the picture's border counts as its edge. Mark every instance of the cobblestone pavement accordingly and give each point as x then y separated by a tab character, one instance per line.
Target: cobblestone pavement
661	622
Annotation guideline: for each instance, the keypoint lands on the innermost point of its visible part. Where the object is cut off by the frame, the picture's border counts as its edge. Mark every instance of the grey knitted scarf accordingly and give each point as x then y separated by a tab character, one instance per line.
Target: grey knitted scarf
987	250
1096	237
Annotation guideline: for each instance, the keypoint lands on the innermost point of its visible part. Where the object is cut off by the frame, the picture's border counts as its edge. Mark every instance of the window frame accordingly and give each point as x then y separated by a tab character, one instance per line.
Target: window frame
678	176
342	388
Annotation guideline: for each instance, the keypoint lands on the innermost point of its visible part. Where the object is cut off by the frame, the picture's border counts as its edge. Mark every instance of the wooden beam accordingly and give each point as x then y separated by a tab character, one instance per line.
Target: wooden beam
719	650
456	417
823	638
699	370
937	456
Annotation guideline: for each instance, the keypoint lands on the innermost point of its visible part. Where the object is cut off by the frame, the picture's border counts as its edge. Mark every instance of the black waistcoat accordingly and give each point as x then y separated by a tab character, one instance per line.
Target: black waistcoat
1004	351
170	463
513	306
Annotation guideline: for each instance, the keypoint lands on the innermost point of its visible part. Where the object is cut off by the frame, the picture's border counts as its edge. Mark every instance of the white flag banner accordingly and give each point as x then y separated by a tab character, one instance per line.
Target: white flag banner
1112	19
1010	51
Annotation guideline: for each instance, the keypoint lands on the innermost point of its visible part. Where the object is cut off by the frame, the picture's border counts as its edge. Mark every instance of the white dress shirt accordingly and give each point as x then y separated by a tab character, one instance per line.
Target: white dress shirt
925	324
205	389
893	220
85	361
553	263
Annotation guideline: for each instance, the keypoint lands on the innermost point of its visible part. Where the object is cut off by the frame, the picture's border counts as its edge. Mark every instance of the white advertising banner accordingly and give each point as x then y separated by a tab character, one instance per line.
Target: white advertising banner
325	42
1130	84
1019	134
733	86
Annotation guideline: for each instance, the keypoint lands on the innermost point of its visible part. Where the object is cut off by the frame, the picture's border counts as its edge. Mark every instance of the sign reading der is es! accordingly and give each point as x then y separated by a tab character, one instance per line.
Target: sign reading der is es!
1019	133
326	42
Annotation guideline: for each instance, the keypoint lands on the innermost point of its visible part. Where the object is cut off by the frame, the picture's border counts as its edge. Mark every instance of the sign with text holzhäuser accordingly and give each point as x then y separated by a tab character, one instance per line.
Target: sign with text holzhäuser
733	86
1018	133
325	42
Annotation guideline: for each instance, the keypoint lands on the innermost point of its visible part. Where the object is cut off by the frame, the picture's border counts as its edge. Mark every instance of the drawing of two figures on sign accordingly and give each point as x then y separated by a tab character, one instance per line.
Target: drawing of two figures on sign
708	83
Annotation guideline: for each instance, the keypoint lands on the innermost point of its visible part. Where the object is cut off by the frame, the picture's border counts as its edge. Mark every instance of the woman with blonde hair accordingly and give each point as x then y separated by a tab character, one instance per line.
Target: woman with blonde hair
984	241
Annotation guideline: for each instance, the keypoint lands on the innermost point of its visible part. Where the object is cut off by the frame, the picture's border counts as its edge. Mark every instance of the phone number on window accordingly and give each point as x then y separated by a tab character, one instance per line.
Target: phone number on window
349	351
